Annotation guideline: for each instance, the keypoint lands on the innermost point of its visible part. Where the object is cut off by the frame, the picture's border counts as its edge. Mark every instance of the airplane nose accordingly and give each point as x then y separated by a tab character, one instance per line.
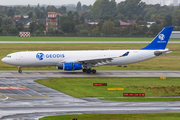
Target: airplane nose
3	60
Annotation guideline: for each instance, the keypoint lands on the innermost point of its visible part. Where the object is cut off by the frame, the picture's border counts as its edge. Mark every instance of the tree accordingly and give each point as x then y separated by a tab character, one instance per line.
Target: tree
51	8
78	8
108	27
76	15
10	13
22	17
64	19
1	29
175	22
38	6
116	23
103	7
120	16
140	18
13	30
130	7
33	27
8	21
168	19
82	19
1	21
20	26
68	27
86	8
106	17
6	27
154	29
87	15
30	14
96	31
62	10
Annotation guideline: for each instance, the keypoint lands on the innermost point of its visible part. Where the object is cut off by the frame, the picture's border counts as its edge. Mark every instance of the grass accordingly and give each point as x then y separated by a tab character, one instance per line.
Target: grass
168	62
139	116
142	99
9	38
83	87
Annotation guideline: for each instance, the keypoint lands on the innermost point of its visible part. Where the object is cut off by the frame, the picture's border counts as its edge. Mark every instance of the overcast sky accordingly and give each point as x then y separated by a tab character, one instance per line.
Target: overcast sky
61	2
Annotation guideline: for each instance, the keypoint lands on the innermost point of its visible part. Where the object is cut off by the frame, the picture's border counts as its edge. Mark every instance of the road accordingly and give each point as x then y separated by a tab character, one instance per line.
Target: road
37	100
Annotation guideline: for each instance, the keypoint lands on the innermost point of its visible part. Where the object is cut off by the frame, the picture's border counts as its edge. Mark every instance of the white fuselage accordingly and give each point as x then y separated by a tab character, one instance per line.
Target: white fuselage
53	58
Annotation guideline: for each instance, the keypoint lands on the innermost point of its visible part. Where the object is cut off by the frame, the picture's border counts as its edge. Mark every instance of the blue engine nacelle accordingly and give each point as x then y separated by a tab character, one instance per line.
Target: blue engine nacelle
70	66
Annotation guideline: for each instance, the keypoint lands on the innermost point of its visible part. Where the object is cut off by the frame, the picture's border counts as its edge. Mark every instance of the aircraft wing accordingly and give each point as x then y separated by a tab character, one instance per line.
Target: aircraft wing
97	61
100	60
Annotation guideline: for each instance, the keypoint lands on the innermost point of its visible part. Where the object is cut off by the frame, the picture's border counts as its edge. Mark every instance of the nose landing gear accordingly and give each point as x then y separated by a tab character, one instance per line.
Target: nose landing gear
20	71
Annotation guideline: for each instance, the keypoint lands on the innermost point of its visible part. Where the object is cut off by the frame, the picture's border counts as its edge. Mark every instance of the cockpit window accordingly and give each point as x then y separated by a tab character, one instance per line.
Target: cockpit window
8	56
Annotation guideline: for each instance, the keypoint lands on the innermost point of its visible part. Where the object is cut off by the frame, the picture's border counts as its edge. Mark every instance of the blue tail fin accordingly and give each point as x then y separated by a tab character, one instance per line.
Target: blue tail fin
161	40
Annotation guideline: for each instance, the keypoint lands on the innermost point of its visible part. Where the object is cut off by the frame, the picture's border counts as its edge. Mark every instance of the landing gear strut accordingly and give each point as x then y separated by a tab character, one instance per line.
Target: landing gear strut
20	71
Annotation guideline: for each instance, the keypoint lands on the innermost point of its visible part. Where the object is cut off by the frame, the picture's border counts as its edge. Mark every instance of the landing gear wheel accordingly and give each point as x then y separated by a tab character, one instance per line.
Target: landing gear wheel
94	71
84	70
88	70
20	71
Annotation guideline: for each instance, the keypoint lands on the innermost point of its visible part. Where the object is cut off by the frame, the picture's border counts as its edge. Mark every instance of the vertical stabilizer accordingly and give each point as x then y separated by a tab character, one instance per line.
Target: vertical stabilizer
161	40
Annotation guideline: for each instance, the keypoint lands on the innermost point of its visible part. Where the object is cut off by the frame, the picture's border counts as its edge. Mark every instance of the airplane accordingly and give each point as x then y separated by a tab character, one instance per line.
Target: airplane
85	60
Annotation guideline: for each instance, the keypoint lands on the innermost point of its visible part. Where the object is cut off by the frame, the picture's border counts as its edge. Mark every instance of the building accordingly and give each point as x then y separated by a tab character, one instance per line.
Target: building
124	24
52	21
175	35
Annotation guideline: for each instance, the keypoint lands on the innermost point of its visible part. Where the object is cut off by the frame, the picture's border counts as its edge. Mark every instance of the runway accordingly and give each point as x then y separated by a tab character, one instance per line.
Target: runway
82	41
37	100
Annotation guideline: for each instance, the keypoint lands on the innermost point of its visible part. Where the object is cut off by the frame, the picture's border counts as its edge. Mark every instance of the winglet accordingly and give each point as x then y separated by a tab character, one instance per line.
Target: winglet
161	40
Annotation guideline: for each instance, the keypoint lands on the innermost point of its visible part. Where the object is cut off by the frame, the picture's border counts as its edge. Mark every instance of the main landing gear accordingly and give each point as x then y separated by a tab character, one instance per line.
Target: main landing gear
85	70
20	71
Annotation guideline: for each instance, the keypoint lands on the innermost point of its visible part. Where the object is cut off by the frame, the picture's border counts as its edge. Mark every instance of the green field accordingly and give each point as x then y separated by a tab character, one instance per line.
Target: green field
8	38
83	87
168	62
142	116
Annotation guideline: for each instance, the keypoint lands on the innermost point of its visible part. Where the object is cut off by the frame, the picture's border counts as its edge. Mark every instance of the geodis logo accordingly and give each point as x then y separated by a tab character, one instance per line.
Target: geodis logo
161	36
41	56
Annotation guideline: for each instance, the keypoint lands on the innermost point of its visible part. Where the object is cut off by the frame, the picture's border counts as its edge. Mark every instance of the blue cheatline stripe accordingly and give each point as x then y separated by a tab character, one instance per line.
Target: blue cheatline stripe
161	40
